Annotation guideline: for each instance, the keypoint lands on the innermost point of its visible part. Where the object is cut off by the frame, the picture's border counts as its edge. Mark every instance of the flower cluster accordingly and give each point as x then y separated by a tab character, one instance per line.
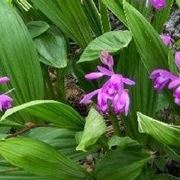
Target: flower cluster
112	96
5	100
158	4
164	79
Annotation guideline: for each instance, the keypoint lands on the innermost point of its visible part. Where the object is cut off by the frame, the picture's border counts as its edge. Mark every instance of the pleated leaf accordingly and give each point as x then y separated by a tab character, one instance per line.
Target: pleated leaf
111	41
94	128
69	17
58	113
37	28
62	140
122	163
148	42
93	16
18	57
116	7
162	132
39	158
51	47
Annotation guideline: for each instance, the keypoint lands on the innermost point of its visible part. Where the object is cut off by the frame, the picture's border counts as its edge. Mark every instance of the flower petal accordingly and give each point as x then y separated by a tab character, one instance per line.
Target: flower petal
107	59
105	71
86	99
173	84
128	81
94	75
177	59
4	80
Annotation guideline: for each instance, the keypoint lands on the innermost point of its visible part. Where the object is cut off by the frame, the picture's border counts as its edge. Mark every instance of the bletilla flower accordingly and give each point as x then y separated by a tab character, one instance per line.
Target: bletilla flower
5	100
161	78
112	95
166	38
158	4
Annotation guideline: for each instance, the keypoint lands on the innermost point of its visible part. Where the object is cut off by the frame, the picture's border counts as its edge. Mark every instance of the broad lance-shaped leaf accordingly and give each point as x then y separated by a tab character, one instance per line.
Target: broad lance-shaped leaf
94	128
111	41
51	47
69	17
37	28
122	163
18	57
122	142
116	7
148	42
58	113
39	158
62	140
162	132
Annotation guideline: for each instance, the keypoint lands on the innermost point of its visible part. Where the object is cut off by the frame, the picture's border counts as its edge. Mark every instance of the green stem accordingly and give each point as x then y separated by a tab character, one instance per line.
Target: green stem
115	124
61	84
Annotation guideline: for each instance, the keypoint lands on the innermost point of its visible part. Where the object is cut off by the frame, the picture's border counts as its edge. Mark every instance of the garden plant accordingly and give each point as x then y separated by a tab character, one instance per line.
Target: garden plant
90	89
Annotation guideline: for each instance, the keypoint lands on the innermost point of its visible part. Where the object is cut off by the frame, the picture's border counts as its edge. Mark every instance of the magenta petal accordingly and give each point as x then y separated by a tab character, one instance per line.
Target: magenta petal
107	59
158	4
4	80
167	40
5	102
105	71
93	75
173	84
128	81
102	101
86	99
177	59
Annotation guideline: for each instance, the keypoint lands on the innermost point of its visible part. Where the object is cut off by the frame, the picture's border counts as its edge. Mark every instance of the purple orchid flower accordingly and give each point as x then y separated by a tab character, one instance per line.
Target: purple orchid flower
161	78
166	38
158	4
5	100
112	94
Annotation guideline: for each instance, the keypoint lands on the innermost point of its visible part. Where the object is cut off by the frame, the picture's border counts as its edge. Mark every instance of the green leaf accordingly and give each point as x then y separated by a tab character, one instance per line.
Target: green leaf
69	17
178	3
51	47
39	158
148	42
124	164
116	7
93	16
104	17
162	132
94	128
111	41
62	140
122	142
18	57
37	28
58	113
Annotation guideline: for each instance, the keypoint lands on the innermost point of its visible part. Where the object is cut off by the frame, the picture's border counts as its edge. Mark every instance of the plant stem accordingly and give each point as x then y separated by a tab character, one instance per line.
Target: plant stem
115	124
